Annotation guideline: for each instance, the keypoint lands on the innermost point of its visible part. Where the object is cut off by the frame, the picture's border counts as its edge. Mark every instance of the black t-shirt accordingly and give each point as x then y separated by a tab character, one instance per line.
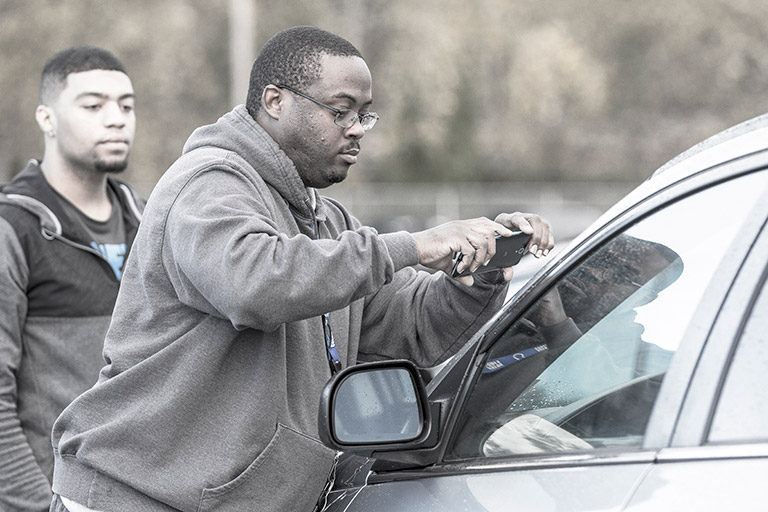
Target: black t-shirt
108	237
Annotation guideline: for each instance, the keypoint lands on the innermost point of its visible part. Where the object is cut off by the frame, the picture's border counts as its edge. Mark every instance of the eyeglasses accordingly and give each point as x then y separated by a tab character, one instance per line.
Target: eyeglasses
345	118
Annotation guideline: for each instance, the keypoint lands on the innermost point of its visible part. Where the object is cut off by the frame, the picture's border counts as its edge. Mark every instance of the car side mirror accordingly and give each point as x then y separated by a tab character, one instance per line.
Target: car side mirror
375	406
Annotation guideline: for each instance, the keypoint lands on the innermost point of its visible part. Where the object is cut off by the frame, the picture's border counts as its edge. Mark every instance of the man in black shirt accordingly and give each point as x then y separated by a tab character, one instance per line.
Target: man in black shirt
66	227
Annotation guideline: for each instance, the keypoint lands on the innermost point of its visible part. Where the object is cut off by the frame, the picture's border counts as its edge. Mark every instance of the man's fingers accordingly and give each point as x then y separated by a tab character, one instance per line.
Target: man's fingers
541	240
477	251
475	239
485	248
516	221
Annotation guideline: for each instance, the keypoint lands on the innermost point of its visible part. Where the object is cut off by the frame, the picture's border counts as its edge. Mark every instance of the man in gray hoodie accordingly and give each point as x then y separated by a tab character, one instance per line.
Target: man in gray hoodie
246	289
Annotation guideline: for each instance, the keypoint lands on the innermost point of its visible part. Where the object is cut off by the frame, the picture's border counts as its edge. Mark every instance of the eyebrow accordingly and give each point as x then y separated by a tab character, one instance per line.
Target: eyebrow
343	95
104	96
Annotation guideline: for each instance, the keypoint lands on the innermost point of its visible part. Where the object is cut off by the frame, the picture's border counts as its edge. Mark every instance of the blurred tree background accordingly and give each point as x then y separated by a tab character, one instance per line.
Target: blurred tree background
549	105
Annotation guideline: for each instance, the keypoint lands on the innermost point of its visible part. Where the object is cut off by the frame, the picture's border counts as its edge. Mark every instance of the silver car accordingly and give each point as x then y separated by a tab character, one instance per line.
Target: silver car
630	373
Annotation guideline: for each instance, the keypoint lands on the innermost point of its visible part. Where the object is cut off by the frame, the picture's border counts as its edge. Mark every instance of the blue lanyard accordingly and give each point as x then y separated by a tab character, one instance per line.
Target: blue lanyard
330	345
494	365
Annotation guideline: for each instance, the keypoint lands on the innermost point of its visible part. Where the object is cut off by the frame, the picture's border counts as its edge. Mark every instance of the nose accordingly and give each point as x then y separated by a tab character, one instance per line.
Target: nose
356	130
114	115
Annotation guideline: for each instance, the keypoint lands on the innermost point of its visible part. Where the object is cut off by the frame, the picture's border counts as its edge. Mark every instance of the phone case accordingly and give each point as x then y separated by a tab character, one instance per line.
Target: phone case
509	251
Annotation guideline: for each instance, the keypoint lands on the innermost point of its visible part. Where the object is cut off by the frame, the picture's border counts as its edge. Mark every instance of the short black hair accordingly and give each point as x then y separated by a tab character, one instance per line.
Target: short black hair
292	57
76	59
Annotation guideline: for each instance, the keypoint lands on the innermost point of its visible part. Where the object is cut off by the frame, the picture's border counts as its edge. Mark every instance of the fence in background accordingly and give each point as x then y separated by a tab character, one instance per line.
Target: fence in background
569	207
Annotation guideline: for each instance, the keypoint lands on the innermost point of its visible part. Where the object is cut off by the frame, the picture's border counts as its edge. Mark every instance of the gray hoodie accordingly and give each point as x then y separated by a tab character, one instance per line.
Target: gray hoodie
216	356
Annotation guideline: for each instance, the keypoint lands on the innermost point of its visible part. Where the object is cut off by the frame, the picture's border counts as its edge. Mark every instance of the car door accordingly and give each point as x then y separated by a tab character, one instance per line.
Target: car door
577	387
718	456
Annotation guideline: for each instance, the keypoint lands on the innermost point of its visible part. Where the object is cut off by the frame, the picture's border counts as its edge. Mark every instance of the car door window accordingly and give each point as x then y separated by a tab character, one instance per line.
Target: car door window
742	412
581	368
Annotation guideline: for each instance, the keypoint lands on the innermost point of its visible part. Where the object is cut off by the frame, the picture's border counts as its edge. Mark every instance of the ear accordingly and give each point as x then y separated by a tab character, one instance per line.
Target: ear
272	101
46	119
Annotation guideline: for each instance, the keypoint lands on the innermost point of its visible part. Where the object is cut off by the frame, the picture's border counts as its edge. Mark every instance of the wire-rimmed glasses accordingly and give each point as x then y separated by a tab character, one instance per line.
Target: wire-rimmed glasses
345	118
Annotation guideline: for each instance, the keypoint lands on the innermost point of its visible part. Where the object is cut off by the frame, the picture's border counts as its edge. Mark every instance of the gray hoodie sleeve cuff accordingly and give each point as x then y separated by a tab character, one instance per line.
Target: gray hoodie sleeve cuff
402	249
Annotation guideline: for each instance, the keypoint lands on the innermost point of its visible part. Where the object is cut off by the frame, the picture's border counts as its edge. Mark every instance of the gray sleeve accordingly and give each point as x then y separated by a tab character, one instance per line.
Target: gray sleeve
23	486
229	258
427	317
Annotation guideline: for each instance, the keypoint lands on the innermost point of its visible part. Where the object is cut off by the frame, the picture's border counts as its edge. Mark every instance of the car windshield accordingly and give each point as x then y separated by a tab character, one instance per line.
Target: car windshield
580	369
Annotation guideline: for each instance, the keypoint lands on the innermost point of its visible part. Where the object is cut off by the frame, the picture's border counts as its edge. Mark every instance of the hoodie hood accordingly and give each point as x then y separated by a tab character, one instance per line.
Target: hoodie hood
30	191
239	133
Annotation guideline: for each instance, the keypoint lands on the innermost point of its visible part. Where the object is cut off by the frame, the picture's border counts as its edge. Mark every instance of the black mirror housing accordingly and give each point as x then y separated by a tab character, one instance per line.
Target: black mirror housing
375	407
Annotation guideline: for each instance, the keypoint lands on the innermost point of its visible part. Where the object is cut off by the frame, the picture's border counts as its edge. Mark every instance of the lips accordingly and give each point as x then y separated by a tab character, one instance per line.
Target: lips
349	155
114	140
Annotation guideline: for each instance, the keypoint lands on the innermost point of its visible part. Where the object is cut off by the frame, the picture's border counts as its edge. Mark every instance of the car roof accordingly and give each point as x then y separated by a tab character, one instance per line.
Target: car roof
737	141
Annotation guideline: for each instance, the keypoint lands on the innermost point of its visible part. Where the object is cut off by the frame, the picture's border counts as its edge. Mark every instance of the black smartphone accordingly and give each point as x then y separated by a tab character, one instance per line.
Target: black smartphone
509	250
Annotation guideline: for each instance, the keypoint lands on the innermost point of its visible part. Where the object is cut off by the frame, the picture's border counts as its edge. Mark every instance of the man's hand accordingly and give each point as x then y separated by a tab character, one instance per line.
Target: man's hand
542	240
475	239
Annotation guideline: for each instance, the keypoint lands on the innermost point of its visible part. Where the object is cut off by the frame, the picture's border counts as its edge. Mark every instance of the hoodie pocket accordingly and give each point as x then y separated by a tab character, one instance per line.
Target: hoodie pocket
288	475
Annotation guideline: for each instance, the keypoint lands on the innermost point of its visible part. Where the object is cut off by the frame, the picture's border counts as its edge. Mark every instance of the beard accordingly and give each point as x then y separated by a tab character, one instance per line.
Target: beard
309	164
111	166
95	161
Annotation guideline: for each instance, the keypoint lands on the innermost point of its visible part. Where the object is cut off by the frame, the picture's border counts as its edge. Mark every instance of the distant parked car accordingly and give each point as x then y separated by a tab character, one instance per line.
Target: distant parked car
630	373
